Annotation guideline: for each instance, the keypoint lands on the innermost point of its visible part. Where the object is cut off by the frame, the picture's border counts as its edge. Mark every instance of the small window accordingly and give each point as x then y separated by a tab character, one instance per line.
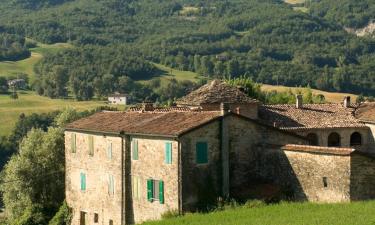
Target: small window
168	153
91	145
325	182
135	149
355	139
201	153
73	142
155	191
111	185
110	222
96	218
83	181
82	218
109	151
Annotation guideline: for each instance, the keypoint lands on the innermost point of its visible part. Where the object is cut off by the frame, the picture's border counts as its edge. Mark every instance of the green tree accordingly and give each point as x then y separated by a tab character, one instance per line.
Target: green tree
34	177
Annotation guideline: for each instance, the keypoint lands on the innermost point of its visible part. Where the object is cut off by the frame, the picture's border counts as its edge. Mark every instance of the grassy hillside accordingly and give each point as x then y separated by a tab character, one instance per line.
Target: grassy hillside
28	103
26	66
360	213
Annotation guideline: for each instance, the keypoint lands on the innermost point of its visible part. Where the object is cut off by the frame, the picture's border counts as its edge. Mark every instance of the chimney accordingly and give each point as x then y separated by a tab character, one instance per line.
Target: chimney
347	102
147	106
224	108
299	102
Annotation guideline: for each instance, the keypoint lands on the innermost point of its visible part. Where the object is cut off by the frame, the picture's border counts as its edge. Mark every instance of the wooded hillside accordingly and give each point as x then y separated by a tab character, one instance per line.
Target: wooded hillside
265	40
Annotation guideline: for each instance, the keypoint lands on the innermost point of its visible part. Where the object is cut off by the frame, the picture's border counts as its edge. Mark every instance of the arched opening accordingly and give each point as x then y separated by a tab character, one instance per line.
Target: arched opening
334	140
313	139
355	139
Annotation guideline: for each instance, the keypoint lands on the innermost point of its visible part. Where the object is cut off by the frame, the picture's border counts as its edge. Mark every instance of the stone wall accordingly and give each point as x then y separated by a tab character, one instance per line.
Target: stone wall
201	183
249	110
344	133
251	152
362	177
151	165
96	198
371	137
304	173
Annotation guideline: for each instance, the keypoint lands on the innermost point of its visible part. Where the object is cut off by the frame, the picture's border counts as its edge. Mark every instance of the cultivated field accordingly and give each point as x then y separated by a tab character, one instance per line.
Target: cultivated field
333	97
358	213
28	103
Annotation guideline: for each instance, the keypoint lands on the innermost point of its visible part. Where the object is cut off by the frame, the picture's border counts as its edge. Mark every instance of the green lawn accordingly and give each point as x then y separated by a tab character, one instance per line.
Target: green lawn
361	213
27	65
28	103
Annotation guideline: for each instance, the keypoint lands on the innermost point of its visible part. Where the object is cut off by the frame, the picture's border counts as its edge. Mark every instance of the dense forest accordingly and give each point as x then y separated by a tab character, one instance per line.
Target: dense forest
348	13
12	47
266	41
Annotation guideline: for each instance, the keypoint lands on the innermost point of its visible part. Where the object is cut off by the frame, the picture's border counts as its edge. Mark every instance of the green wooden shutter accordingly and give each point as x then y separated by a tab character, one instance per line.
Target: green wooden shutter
201	152
168	153
91	145
135	149
73	140
150	192
161	192
83	182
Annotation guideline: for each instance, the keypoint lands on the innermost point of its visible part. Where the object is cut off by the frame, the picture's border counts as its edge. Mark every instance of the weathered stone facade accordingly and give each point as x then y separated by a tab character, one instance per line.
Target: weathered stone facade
133	166
151	165
97	168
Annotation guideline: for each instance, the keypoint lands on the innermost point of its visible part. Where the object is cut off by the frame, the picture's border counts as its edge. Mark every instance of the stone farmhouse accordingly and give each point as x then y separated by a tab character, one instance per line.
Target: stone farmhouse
132	166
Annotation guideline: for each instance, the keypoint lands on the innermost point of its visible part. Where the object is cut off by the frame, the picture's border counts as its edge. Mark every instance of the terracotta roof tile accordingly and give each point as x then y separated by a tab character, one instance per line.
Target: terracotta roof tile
318	149
310	116
366	112
215	92
170	123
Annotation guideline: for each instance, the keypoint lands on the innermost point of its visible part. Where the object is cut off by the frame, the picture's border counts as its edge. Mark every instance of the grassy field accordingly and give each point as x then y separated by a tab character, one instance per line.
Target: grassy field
168	73
330	96
28	103
293	2
361	213
26	66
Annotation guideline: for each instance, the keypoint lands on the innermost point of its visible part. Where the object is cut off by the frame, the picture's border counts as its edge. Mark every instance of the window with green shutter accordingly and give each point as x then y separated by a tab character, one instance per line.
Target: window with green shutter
83	181
201	152
168	153
155	191
91	145
135	149
150	190
161	192
73	139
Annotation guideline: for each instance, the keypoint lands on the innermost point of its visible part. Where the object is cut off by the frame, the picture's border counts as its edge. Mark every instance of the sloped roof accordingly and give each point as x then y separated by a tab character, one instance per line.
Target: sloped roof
366	112
171	123
309	116
215	92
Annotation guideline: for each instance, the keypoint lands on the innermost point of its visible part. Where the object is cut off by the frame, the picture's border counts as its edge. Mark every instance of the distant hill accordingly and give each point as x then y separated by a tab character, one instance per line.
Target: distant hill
265	40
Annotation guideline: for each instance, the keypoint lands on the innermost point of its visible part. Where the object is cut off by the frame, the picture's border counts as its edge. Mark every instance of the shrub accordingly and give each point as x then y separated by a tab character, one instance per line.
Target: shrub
254	204
167	215
63	216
